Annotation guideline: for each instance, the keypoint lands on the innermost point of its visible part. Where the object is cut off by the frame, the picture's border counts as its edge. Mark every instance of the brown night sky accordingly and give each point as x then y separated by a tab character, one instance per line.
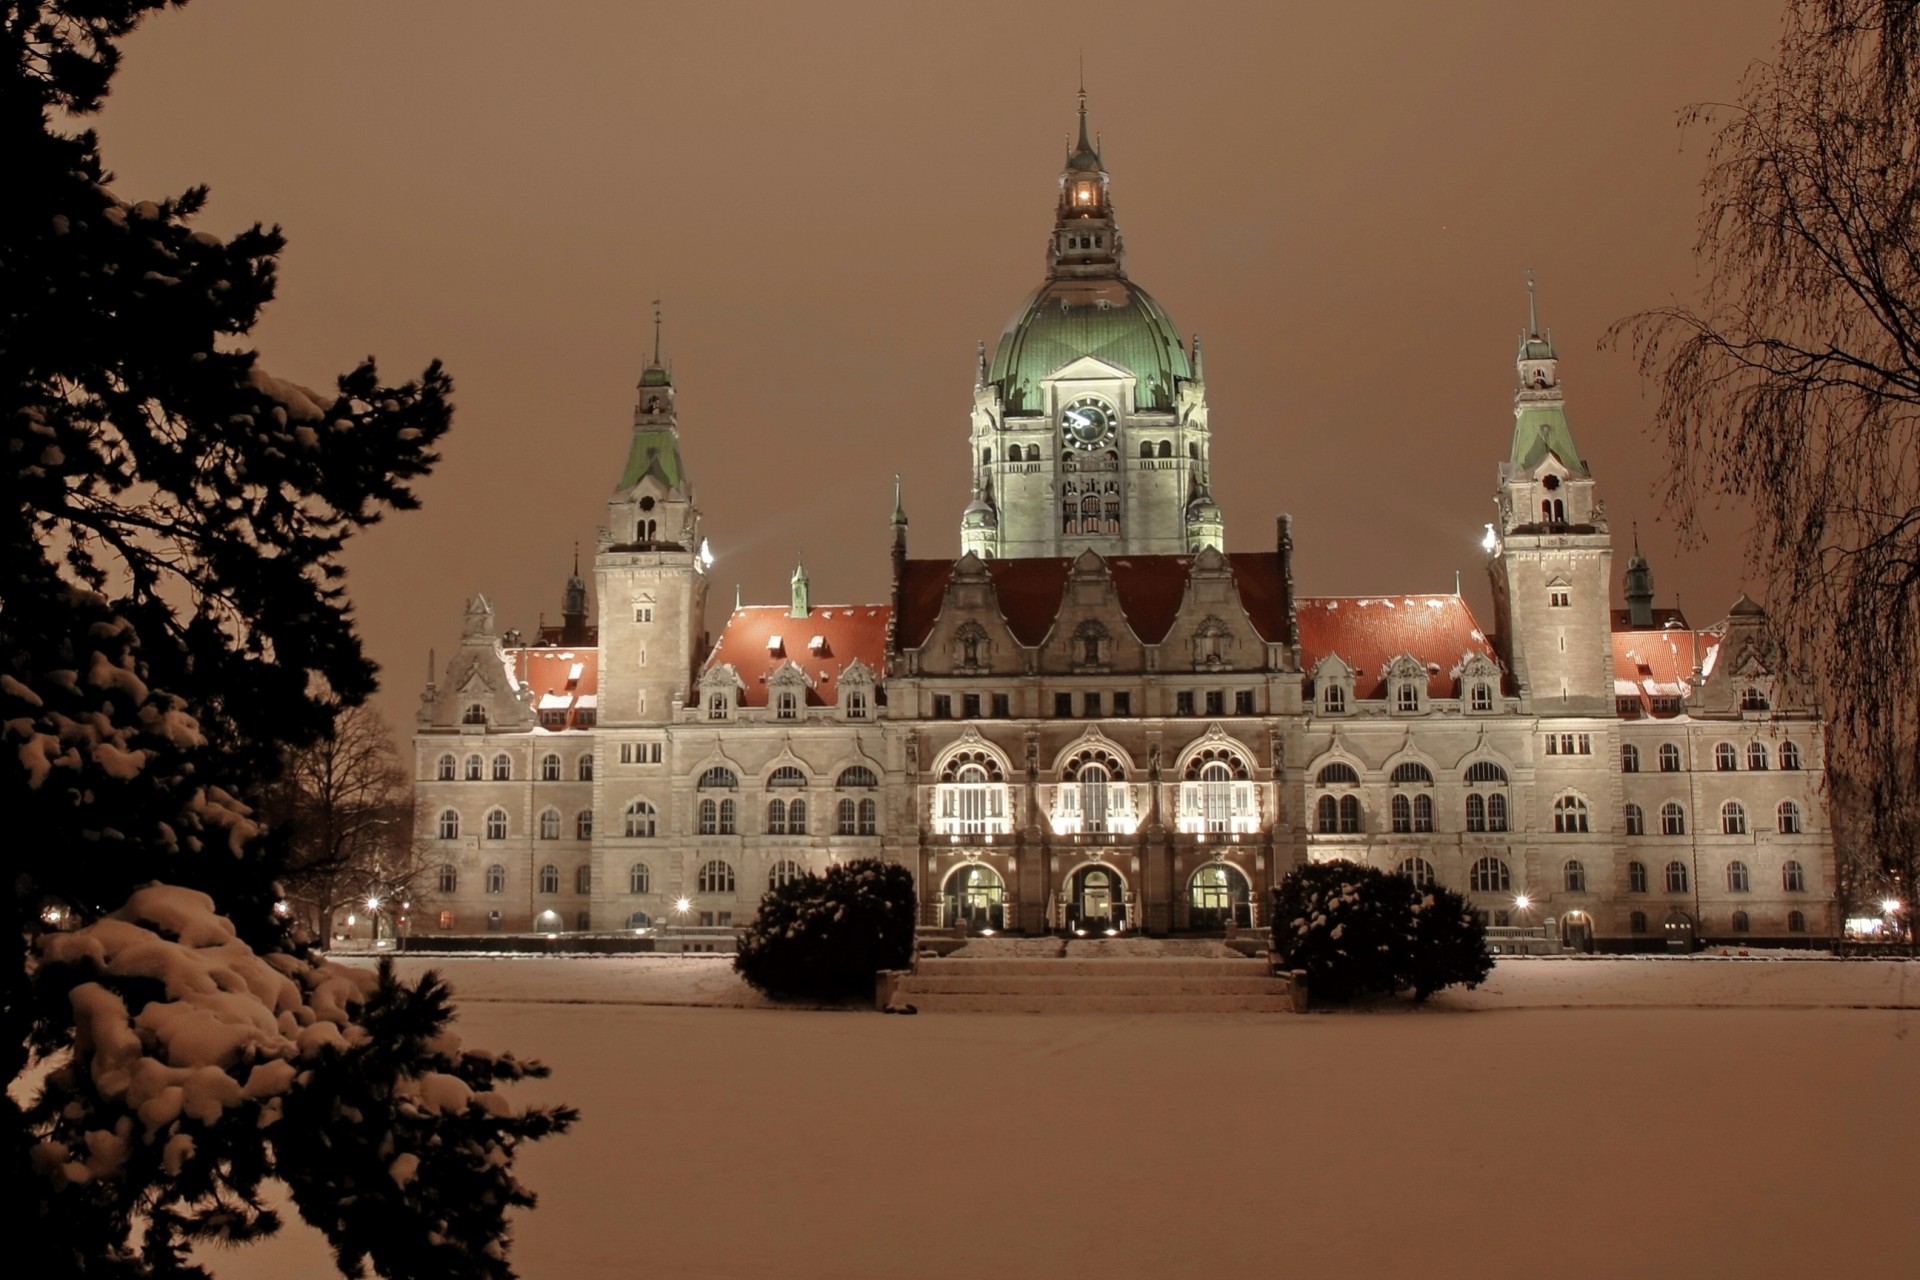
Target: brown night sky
836	201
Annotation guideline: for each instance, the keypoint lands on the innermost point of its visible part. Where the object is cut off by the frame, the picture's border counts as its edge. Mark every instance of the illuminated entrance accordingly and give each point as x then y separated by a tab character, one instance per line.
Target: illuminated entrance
1219	892
1096	899
975	898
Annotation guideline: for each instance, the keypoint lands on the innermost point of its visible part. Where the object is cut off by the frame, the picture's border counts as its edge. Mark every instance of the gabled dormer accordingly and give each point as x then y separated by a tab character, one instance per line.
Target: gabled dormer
1405	678
1332	686
480	691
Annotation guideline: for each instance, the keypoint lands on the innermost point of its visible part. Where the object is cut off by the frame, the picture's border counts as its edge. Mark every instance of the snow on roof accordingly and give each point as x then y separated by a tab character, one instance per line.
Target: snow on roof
1370	632
751	642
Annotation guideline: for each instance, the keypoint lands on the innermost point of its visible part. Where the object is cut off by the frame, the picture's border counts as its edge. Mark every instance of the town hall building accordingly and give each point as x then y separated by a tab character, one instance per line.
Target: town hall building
1100	719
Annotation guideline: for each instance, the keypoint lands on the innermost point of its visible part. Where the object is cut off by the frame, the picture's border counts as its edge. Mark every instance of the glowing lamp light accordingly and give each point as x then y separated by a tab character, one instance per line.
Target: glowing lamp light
1523	902
1491	542
1890	906
683	905
373	904
986	933
706	554
1113	933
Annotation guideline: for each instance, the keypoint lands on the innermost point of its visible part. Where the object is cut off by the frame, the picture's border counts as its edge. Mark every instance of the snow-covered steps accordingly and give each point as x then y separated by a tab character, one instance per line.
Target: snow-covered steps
1066	985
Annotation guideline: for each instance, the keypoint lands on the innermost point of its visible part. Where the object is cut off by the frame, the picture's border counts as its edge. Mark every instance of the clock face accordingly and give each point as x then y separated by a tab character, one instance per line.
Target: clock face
1087	423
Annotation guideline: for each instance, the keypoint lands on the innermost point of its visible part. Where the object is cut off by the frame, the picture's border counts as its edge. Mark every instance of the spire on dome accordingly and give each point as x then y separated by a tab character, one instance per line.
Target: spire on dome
1086	244
1539	408
656	374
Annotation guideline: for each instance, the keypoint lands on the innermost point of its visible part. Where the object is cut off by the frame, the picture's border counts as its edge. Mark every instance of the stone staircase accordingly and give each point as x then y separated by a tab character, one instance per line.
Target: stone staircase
1039	984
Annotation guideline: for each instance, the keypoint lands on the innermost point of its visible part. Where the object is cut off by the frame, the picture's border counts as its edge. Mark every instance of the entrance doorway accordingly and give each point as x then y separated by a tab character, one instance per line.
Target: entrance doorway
1576	931
975	898
1219	892
1096	899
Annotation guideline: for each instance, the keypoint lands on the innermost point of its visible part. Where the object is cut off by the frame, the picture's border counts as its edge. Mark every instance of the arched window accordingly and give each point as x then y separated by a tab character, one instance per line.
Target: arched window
1166	449
449	825
776	817
1476	811
1796	922
496	879
1669	758
1146	448
1349	815
1676	877
986	457
1420	871
1725	757
549	824
1636	877
1496	812
1636	820
797	818
718	778
445	769
496	824
1673	819
1339	773
1756	755
729	817
1193	450
585	767
476	713
641	821
1637	922
783	872
449	878
844	818
583	879
549	768
1327	816
709	818
1793	877
476	769
1333	699
639	878
715	877
503	768
1739	880
1412	773
1490	875
1741	924
1569	814
1733	818
1789	755
857	776
1575	873
583	825
869	818
1402	814
786	776
549	879
1485	771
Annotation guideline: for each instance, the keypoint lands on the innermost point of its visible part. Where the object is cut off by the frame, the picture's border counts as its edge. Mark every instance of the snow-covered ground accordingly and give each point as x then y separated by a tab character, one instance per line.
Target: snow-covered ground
1617	1117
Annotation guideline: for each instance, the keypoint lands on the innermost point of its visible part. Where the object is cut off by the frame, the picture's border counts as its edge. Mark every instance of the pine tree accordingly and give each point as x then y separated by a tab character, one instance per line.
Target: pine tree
172	622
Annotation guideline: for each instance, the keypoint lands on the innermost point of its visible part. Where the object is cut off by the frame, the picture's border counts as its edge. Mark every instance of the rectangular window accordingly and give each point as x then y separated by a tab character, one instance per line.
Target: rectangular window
446	919
1585	743
643	613
1002	706
1243	702
1063	704
1560	598
706	919
725	918
942	706
1216	702
1090	706
1553	744
1183	702
626	753
1123	703
970	706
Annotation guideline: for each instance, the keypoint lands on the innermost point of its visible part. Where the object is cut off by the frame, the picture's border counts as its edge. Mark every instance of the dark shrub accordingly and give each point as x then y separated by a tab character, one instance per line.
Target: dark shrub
824	937
1358	932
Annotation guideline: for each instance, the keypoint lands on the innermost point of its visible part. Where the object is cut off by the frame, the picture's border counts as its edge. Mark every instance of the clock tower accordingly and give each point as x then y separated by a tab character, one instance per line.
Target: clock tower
1090	421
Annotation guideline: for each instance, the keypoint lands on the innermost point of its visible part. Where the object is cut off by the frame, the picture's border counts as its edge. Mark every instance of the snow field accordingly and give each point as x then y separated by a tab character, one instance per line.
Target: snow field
1745	1138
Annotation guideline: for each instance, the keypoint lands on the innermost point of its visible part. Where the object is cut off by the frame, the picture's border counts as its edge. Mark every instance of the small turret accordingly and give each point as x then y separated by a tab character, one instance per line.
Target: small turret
801	605
573	606
1639	580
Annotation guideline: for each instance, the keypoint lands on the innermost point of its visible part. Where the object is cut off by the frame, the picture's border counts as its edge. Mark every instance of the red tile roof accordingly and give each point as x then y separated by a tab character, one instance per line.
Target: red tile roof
1658	661
559	679
846	632
1150	591
1368	632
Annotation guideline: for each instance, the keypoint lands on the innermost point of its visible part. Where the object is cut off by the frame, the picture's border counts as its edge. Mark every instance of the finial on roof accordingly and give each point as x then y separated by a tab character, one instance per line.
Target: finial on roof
1533	309
899	506
736	597
576	558
1199	366
656	331
980	361
1083	106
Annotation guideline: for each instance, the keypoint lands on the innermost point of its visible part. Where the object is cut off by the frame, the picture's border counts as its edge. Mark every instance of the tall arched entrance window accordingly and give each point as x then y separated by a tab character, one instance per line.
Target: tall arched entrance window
1096	899
1219	893
975	898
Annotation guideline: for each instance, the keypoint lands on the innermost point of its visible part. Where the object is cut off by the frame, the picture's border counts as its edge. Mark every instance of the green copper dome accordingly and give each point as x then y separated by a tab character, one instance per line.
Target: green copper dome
1111	319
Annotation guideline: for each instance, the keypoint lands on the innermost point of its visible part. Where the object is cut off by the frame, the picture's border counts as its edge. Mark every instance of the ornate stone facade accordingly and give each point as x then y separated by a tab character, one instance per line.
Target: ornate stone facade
1097	718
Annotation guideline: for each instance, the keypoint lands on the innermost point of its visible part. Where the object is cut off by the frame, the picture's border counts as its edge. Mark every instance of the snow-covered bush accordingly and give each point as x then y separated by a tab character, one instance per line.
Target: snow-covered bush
1357	931
826	936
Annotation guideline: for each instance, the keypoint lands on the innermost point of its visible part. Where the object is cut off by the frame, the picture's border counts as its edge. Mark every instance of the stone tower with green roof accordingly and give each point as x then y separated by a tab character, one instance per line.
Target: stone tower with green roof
650	569
1089	424
1550	556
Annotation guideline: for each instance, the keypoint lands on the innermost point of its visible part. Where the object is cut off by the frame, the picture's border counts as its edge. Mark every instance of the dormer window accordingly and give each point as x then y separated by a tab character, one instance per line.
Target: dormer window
1406	698
787	705
1333	700
1754	699
1482	697
717	706
476	713
1559	595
